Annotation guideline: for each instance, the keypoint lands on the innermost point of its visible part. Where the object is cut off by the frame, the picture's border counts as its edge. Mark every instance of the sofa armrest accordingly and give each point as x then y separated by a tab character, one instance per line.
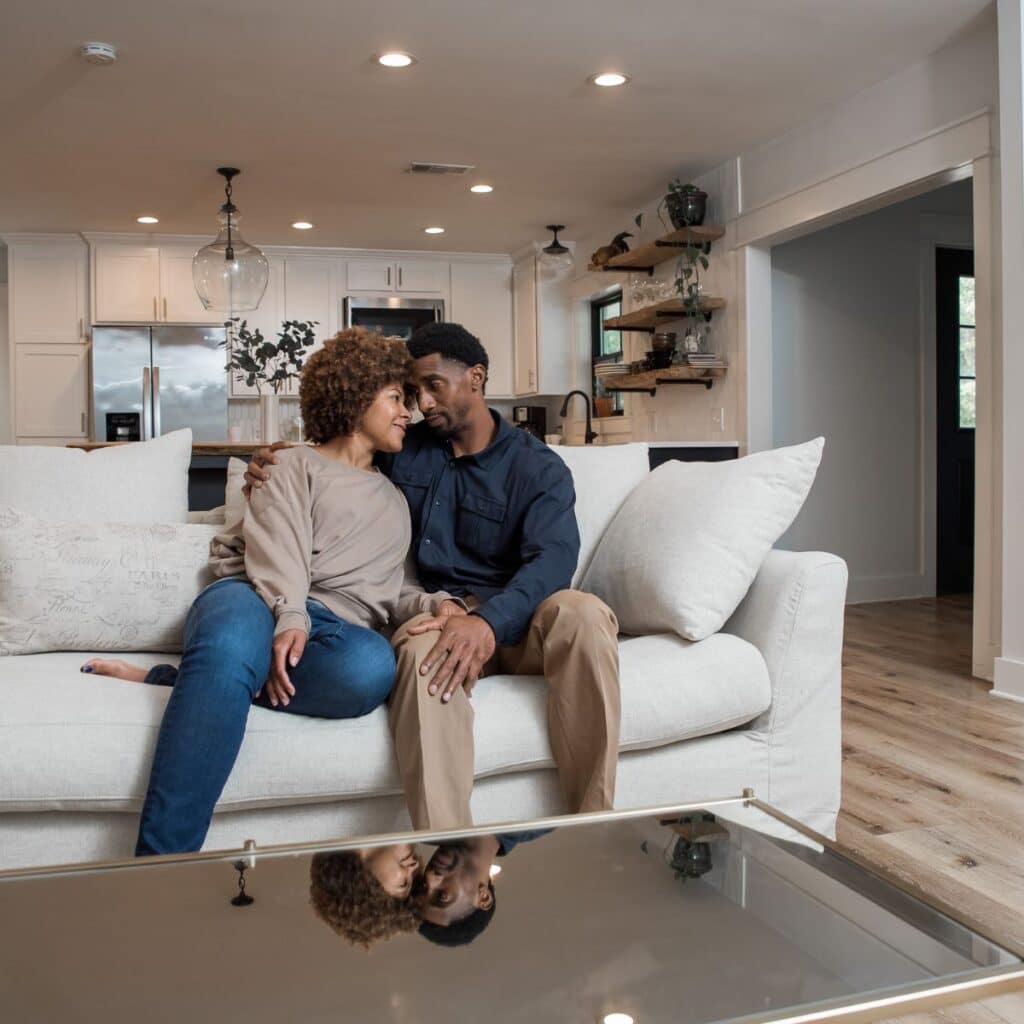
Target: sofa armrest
793	614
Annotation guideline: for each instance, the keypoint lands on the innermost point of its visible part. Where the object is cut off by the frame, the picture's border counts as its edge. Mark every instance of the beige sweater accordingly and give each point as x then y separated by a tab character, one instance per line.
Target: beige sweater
319	528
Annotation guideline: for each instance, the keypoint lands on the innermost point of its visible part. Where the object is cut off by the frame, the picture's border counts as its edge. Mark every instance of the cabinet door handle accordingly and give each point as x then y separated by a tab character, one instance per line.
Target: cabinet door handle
81	328
399	277
389	277
83	422
165	308
156	315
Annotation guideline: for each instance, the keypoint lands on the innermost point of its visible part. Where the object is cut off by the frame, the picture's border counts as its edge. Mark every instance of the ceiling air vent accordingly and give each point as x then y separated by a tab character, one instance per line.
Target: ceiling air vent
424	168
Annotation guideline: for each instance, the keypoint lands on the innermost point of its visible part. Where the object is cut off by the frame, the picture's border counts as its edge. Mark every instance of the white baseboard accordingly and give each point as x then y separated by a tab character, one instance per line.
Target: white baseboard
1009	679
867	589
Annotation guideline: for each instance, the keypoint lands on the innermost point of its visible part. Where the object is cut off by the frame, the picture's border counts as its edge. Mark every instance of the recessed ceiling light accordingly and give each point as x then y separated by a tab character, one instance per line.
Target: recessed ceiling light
618	1018
302	225
481	188
396	59
495	870
148	220
609	79
434	231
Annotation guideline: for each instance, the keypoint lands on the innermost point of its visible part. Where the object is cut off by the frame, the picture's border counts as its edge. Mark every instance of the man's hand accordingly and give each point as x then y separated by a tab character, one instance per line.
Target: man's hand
444	610
255	474
285	653
463	648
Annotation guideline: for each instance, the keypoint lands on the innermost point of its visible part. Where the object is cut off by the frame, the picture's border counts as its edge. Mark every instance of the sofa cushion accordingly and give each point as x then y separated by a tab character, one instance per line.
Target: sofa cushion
688	542
133	483
70	741
97	586
603	478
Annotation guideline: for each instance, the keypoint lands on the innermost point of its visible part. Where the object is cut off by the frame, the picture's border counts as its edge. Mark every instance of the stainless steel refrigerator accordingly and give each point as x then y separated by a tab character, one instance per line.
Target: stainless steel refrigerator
147	381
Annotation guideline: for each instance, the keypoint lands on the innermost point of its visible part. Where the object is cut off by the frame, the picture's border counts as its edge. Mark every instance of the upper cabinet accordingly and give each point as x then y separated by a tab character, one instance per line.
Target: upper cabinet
481	300
543	329
419	276
267	319
48	293
146	284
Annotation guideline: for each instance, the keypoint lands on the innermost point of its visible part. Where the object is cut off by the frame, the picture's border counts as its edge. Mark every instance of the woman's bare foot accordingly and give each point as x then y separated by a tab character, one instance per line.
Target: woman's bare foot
115	668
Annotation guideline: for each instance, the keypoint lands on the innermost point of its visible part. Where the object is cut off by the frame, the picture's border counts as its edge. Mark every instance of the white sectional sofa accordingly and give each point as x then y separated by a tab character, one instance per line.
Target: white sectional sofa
755	705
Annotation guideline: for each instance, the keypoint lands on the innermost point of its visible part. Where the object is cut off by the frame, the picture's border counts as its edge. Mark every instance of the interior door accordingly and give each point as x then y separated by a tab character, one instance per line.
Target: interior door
955	415
189	382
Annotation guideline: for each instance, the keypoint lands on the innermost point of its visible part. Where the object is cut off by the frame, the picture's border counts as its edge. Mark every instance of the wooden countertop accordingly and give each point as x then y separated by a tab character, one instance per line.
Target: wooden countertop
238	448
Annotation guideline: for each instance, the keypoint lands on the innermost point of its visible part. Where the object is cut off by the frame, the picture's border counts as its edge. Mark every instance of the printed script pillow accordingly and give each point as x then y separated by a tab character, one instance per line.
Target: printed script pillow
97	587
686	545
145	482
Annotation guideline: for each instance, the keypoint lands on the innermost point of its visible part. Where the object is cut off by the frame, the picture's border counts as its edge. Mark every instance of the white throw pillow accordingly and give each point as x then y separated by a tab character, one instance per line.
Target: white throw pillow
688	542
145	482
97	587
603	478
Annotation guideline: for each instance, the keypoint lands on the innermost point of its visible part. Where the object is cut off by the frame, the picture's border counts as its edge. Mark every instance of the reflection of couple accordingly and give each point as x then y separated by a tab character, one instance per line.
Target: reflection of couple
373	893
314	573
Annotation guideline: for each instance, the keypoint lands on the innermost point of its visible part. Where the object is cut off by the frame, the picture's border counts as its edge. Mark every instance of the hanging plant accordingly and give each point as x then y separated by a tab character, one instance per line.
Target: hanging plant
258	362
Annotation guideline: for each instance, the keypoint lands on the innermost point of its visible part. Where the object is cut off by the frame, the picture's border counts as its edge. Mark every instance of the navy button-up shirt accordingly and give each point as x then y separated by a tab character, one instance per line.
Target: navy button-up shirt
499	525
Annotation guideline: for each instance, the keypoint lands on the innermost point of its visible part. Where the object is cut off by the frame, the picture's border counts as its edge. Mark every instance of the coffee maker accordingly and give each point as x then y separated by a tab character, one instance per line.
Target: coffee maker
532	418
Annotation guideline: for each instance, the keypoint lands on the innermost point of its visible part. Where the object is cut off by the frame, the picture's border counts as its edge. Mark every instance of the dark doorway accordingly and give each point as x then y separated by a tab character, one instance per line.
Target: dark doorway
955	420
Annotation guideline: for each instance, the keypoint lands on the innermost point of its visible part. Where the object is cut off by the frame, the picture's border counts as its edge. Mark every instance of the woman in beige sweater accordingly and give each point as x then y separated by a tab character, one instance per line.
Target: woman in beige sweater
308	578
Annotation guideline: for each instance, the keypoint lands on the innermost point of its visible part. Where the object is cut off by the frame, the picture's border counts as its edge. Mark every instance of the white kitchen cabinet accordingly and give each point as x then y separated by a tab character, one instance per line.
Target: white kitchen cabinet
126	284
179	301
405	276
267	319
421	276
47	289
543	329
481	300
370	276
310	294
51	392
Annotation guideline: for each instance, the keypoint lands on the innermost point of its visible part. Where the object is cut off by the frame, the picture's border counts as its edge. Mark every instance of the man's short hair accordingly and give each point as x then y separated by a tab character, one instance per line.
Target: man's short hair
449	341
463	931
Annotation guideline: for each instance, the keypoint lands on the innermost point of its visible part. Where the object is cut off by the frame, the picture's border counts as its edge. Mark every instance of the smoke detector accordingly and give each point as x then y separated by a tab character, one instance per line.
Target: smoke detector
416	167
98	53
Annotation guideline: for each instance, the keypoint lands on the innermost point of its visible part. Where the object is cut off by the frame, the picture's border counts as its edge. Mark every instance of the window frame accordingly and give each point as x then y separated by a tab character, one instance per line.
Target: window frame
597	356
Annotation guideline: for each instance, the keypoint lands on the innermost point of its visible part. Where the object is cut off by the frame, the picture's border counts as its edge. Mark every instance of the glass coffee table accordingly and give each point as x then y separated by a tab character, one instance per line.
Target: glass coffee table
722	911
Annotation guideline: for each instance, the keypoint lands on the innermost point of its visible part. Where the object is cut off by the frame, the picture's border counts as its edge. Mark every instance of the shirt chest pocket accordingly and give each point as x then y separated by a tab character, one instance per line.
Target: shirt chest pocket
481	525
415	485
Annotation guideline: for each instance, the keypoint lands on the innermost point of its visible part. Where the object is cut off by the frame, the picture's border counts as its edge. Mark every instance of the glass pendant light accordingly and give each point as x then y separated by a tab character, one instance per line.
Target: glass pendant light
230	275
556	256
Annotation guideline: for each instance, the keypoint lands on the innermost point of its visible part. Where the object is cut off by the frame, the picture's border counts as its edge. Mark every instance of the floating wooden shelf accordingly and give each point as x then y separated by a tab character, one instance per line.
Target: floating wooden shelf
649	380
644	258
652	318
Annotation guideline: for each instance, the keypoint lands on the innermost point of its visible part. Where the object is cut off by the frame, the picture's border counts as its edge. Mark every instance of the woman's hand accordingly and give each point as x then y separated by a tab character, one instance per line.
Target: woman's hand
285	653
255	474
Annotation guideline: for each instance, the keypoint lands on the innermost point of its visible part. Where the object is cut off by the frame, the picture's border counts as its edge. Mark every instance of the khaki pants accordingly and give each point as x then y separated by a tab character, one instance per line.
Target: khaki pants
572	642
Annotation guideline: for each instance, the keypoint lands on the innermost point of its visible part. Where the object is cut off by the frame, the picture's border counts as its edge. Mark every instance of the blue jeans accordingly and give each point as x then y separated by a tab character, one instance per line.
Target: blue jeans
346	671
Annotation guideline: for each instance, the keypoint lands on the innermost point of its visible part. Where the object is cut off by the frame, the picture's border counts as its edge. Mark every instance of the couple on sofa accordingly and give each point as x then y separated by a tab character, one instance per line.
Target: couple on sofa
456	535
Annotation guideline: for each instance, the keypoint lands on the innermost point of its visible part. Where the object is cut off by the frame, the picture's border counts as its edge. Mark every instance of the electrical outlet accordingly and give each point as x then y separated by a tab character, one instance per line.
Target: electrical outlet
718	417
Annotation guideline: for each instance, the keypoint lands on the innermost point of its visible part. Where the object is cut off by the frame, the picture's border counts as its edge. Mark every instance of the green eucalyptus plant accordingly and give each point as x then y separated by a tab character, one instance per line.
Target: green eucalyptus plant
257	361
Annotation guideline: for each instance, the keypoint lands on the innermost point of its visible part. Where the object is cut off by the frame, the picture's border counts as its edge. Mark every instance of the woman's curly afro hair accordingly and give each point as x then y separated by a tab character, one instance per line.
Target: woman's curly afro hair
340	382
347	897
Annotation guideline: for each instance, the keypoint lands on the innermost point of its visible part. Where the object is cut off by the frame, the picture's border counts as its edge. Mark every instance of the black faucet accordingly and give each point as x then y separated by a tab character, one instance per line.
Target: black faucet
590	434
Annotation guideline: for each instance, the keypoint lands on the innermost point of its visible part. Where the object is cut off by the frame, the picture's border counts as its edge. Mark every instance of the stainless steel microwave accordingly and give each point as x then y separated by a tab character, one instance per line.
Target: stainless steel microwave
390	314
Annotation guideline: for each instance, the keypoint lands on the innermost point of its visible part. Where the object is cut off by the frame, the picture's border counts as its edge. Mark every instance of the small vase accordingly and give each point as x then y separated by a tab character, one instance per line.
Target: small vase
686	208
270	418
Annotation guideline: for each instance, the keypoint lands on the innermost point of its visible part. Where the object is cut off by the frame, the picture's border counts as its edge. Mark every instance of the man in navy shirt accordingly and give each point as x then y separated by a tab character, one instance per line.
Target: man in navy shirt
494	525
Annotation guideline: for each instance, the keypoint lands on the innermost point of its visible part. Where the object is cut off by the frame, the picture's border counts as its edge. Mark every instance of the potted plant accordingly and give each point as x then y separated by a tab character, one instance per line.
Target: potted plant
267	364
686	204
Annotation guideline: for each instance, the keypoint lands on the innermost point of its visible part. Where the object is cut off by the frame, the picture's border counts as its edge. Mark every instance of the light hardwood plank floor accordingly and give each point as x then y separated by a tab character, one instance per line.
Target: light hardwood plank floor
933	772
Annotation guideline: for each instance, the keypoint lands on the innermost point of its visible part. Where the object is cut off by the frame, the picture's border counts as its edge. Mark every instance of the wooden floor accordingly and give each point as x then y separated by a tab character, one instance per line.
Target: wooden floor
933	772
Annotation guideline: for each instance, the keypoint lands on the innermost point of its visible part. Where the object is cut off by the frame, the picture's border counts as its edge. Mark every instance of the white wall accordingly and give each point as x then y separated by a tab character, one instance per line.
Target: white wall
6	418
848	362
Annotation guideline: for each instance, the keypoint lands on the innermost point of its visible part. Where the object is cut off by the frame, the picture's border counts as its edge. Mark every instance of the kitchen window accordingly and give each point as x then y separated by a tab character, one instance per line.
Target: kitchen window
606	347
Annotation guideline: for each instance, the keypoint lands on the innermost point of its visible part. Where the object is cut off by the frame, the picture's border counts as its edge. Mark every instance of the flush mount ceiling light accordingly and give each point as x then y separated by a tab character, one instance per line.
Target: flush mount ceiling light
617	1018
302	225
98	53
148	220
555	255
396	59
434	231
609	79
481	189
230	275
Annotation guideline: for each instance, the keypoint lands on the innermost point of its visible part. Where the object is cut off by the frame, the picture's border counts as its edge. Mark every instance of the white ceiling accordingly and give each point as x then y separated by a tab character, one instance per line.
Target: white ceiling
289	93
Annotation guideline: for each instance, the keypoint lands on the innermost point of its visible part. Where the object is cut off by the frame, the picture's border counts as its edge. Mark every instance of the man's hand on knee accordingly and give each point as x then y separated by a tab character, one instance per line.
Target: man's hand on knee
465	645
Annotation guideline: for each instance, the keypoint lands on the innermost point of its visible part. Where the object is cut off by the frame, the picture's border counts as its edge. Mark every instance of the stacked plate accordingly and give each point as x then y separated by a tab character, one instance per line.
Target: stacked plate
610	369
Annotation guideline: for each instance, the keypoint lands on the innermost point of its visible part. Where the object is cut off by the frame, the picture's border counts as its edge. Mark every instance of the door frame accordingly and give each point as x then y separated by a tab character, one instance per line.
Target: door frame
958	151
